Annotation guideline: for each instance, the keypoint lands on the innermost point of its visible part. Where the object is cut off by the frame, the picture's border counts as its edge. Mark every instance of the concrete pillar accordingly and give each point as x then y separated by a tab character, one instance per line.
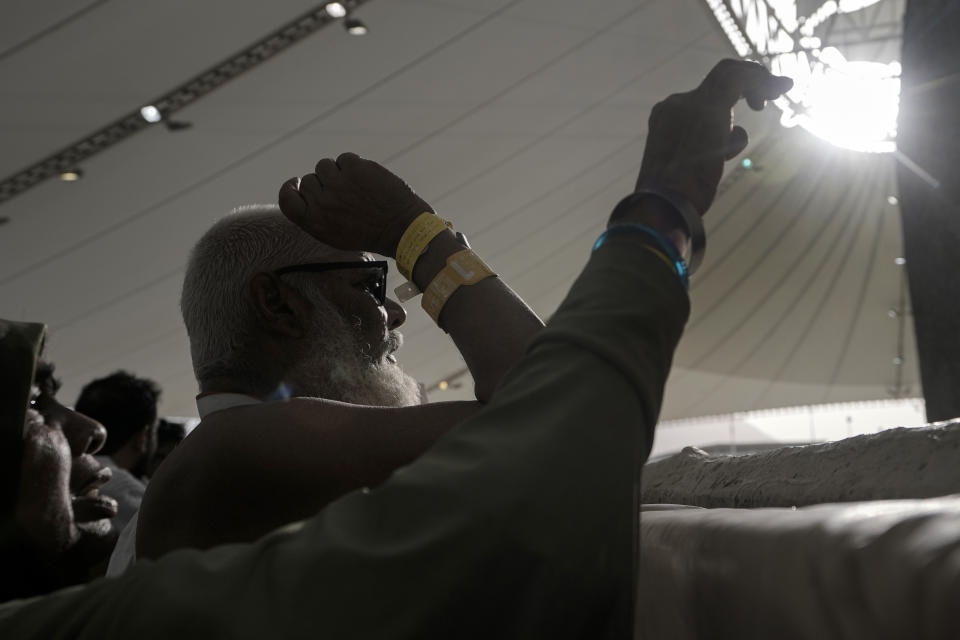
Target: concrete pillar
928	140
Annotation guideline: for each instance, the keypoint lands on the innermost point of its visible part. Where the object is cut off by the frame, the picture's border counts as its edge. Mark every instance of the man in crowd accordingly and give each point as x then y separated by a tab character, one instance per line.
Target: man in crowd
294	348
127	407
54	525
272	313
170	433
521	521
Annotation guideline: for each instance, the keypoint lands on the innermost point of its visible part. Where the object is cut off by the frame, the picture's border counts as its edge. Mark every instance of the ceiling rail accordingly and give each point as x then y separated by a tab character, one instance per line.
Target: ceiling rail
172	101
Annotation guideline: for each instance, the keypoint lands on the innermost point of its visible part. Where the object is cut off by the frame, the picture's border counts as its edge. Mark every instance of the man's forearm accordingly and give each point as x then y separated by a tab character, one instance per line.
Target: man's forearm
489	323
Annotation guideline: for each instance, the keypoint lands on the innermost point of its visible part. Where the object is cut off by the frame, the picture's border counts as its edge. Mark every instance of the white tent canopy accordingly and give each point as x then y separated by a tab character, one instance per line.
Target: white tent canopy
523	121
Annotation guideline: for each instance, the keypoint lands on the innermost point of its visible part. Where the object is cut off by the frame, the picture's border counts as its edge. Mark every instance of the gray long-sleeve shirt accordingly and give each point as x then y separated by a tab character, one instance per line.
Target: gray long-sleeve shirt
519	523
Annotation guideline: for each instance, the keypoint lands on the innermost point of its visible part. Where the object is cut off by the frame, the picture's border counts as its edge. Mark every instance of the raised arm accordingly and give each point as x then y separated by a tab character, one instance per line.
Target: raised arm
527	508
690	136
354	203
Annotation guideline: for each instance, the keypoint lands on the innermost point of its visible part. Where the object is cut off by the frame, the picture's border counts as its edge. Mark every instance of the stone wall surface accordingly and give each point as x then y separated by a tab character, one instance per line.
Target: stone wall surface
899	463
880	570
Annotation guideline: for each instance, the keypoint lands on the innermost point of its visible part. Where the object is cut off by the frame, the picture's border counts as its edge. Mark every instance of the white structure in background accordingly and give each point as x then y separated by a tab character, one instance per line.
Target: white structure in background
842	93
743	432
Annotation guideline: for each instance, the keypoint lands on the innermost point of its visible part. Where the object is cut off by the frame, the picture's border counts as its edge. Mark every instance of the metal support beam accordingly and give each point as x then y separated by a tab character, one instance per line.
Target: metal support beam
172	101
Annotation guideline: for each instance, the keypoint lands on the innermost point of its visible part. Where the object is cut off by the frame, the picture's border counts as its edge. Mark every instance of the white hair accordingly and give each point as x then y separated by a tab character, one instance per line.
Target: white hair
216	310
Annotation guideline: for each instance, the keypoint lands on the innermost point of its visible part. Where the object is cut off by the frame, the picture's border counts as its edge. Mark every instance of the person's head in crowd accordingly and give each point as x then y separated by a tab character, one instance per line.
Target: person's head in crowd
127	406
327	333
170	433
54	526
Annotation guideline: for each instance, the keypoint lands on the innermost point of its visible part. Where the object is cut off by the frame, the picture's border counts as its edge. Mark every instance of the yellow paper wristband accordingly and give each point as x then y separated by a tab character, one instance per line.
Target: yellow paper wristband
463	268
415	239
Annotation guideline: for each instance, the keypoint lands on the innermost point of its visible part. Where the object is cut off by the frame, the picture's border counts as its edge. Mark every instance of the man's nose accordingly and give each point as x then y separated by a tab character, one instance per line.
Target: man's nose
84	434
396	314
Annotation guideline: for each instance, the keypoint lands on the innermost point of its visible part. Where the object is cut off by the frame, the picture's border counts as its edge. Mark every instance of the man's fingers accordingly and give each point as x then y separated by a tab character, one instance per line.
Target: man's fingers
347	160
310	189
729	80
328	172
291	202
736	142
350	164
756	102
356	169
769	89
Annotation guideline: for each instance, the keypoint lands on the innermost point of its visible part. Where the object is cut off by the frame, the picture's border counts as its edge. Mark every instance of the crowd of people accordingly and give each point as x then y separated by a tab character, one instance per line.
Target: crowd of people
320	493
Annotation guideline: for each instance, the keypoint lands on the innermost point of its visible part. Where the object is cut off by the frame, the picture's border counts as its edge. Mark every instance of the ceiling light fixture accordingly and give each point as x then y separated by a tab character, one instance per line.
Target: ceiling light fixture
892	200
443	385
172	101
899	261
335	9
729	26
851	103
151	114
354	27
71	175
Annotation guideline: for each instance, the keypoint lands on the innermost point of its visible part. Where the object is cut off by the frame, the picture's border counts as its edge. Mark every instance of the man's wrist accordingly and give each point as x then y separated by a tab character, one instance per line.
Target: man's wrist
665	213
652	212
652	240
434	259
415	240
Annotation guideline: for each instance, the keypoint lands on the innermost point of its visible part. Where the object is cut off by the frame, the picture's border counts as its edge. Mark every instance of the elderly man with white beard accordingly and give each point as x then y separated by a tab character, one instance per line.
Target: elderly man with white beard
520	522
301	396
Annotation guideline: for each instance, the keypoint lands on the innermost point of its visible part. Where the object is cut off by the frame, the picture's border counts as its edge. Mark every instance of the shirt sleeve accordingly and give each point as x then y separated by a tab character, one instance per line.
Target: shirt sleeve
518	523
125	552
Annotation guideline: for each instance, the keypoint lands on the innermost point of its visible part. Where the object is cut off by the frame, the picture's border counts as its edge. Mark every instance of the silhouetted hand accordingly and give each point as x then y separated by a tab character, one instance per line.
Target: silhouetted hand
352	204
691	134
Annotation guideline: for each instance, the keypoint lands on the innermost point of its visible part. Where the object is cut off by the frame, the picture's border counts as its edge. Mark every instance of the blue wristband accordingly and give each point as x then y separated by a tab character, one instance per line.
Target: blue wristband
662	242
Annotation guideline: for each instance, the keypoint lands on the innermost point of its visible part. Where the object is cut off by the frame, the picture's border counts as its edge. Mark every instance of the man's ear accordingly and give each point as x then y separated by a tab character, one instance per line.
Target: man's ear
142	439
278	307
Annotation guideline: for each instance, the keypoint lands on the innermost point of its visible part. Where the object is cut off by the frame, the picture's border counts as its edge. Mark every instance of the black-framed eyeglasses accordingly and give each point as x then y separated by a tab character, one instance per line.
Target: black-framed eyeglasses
376	284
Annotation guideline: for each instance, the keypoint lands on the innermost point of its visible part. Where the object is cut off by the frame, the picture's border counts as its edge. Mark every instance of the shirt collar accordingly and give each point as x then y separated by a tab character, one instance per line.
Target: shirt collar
212	402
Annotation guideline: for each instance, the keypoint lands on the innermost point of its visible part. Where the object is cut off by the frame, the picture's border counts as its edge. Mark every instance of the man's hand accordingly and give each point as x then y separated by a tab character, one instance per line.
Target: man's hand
352	204
691	134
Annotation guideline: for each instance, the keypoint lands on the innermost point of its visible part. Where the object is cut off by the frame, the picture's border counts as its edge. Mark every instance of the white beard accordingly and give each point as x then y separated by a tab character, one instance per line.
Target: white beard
338	366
